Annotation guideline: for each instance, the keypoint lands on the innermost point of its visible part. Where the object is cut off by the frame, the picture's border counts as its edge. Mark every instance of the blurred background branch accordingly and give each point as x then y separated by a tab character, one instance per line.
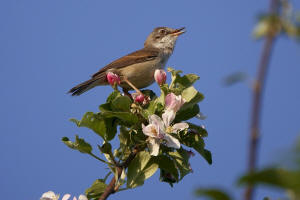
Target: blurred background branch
258	90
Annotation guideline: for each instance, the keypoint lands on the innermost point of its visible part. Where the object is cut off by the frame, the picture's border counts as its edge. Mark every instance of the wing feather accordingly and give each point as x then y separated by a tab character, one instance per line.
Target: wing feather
139	56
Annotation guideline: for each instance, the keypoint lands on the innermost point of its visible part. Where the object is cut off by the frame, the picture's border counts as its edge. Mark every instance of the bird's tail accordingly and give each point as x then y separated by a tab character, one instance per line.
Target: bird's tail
87	85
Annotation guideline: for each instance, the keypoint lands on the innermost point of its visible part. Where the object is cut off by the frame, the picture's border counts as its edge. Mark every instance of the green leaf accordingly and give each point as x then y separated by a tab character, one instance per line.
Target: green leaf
79	145
106	128
167	177
268	24
282	178
234	78
191	96
106	148
112	96
188	113
206	154
197	129
179	83
149	93
96	190
213	194
141	168
168	165
154	106
121	103
187	80
181	158
174	72
126	117
195	141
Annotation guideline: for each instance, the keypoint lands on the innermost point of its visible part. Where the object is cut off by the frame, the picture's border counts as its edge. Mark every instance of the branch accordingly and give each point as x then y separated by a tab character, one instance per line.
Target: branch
110	189
258	90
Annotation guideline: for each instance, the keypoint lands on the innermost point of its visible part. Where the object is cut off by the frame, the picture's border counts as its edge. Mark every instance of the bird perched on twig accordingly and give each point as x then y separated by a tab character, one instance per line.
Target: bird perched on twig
136	70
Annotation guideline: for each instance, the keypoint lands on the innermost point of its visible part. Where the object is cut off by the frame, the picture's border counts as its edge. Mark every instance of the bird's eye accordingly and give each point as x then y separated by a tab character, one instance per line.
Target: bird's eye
162	31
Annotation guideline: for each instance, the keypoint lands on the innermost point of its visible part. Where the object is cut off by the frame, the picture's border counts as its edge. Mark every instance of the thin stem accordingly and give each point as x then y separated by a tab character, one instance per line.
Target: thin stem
93	155
110	189
258	90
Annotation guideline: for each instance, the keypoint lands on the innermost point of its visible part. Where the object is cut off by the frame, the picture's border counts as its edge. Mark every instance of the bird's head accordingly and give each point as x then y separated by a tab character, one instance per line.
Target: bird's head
163	38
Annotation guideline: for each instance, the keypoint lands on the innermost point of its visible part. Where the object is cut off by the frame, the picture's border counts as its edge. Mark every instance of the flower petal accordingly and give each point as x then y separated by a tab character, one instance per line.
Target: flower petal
160	76
150	130
153	145
66	197
174	102
168	117
156	120
170	100
179	126
171	141
49	195
82	197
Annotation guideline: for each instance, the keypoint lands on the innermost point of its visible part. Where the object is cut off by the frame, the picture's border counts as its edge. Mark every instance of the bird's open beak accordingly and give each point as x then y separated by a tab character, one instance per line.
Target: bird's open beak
178	32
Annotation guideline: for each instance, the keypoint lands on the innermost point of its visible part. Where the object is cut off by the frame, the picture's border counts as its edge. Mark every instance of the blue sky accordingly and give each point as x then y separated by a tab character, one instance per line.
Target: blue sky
48	46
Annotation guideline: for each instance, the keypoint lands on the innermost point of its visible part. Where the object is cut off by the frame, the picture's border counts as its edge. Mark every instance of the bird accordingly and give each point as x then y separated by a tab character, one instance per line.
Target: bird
136	70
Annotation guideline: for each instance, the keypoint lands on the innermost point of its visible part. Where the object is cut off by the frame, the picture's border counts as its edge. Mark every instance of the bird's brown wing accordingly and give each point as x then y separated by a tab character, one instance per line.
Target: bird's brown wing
139	56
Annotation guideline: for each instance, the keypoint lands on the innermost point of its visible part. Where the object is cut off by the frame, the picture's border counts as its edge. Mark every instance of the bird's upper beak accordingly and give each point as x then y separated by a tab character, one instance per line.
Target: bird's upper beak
178	32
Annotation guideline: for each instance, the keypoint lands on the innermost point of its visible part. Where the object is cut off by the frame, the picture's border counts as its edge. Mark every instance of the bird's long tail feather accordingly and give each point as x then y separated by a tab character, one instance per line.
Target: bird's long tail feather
87	85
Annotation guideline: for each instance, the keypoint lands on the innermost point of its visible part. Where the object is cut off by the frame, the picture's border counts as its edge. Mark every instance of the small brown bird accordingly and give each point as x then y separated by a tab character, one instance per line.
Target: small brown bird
136	70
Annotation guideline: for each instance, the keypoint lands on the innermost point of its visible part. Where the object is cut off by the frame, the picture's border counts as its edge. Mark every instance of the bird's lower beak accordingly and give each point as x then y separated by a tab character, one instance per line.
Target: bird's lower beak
178	32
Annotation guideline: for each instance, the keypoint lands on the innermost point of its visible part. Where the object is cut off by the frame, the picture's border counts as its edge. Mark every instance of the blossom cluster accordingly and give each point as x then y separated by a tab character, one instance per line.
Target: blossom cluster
50	195
159	130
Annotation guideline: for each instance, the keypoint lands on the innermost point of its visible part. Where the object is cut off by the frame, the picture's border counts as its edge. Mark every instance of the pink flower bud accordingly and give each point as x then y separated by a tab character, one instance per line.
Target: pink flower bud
174	102
113	78
139	98
160	76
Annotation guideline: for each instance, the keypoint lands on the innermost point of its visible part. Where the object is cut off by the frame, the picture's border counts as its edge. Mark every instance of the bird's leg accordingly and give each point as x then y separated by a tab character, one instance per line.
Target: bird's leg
131	85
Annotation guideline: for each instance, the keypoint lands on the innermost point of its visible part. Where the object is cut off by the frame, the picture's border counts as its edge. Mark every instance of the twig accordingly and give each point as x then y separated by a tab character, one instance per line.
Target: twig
93	155
110	189
258	90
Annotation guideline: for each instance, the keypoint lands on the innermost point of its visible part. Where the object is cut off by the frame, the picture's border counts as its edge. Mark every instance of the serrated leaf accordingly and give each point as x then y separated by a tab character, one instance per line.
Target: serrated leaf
69	143
154	106
168	165
167	177
186	80
206	154
79	144
106	128
181	158
141	168
174	72
212	193
121	103
191	96
96	190
195	141
112	96
106	148
179	83
127	117
188	113
197	129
